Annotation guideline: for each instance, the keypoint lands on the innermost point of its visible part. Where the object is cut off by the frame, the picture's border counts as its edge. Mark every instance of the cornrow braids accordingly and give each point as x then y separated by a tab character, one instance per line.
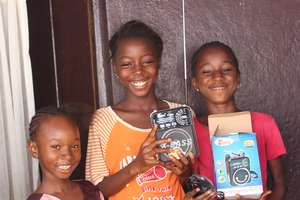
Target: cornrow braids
210	45
41	116
135	29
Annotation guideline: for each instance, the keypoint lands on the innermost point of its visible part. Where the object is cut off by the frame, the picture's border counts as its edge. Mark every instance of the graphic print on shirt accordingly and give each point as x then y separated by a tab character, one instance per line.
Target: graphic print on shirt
126	161
156	173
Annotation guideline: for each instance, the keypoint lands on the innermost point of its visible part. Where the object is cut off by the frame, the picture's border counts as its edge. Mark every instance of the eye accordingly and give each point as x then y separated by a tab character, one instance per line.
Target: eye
148	62
206	72
125	65
55	146
75	146
227	70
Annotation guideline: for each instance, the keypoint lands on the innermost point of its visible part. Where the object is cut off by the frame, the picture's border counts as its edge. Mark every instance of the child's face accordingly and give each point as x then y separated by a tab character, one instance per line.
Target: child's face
136	65
216	76
57	146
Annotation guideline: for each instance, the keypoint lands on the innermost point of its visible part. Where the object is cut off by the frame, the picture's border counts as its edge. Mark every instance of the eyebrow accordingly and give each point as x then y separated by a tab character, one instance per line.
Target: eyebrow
206	63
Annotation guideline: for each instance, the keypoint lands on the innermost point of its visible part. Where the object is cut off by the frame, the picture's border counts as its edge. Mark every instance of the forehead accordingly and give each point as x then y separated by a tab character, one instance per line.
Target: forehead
215	53
133	43
58	126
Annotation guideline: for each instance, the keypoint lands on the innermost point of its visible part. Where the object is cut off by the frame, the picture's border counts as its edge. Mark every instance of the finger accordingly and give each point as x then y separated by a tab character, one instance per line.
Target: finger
151	136
207	195
153	131
192	193
192	157
265	194
183	159
237	197
176	162
155	143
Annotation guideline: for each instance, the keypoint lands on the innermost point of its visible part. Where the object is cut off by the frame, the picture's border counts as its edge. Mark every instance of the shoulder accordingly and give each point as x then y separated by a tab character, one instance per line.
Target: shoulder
41	196
35	196
104	115
173	104
89	189
262	120
259	116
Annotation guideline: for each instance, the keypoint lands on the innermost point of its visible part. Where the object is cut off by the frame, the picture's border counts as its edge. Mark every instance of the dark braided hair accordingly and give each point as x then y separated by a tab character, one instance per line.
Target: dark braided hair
135	29
211	45
44	114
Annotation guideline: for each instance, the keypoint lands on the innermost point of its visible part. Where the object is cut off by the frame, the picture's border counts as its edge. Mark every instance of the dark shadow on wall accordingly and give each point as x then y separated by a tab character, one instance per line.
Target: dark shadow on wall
81	114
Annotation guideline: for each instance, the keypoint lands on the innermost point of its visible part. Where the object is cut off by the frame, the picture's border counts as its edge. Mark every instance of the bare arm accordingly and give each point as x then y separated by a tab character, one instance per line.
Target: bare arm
278	188
144	160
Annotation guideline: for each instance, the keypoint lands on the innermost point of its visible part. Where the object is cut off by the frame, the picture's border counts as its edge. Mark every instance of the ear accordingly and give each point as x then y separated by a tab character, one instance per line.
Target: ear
194	84
33	149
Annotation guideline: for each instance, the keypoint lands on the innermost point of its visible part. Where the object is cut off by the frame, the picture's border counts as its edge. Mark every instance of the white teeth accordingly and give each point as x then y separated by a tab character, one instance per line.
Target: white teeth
218	88
64	167
139	83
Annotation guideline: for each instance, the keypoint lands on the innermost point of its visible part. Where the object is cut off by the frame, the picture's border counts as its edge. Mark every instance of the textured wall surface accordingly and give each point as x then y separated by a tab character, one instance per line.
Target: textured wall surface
266	37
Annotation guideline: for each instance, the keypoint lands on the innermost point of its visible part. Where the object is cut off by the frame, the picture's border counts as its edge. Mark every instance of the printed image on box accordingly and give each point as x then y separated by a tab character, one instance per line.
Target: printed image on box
236	163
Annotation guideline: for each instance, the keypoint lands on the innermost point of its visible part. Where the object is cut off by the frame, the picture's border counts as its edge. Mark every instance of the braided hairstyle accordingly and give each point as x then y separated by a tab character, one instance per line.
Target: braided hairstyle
212	45
43	115
135	29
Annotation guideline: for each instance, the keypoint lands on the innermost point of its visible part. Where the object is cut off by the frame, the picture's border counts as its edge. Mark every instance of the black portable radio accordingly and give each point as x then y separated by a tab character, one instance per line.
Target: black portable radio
177	124
238	169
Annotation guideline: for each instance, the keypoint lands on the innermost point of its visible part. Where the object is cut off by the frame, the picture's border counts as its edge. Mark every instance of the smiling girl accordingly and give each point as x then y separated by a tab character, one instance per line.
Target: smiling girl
122	150
55	142
216	77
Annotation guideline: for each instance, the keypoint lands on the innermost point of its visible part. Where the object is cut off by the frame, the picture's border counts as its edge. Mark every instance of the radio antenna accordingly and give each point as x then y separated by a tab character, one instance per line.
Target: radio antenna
184	53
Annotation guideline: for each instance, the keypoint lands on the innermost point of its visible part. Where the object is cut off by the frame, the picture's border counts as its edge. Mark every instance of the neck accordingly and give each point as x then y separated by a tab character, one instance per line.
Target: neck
55	186
221	108
146	103
218	109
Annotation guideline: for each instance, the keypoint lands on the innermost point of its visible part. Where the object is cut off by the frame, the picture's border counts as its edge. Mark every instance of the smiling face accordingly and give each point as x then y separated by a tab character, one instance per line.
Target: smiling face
136	64
216	76
57	146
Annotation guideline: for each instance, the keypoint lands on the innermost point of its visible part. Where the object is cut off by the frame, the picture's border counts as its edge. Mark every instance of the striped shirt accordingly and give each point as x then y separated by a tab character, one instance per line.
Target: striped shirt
112	145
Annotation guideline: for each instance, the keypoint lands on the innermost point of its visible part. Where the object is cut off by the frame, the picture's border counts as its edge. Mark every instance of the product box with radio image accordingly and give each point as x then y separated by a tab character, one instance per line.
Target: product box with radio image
177	124
236	159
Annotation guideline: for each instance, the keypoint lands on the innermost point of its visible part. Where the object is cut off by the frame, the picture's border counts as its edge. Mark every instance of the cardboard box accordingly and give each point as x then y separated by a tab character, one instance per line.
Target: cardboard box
230	123
235	153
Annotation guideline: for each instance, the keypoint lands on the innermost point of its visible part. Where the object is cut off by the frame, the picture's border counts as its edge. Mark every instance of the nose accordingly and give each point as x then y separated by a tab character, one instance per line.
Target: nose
66	153
217	74
138	67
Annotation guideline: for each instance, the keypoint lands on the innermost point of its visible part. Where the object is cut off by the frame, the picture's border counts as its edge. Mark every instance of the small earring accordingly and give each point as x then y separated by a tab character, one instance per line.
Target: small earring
116	75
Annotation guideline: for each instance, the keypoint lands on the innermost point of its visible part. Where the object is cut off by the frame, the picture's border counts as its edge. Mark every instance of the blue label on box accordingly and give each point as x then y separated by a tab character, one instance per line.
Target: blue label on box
236	161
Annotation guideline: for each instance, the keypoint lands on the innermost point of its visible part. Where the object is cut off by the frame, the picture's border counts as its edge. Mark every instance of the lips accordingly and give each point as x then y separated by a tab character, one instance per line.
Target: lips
218	87
139	84
65	168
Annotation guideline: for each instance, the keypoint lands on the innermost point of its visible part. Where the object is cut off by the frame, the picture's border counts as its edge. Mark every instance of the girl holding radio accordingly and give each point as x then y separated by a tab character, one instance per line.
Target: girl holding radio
216	77
122	149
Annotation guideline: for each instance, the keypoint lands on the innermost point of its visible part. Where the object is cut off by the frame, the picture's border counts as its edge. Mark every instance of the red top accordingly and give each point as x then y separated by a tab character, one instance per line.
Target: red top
269	142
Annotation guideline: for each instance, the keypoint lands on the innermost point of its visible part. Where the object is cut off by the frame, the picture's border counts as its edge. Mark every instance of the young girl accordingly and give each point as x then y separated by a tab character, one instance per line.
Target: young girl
122	150
216	77
55	141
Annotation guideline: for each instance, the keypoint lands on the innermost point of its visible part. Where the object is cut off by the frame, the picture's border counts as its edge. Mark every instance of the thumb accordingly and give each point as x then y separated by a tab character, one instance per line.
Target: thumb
265	194
237	197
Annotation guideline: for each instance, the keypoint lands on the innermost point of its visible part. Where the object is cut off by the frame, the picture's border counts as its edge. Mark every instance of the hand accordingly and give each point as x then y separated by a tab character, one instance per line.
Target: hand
181	166
147	156
263	196
205	196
